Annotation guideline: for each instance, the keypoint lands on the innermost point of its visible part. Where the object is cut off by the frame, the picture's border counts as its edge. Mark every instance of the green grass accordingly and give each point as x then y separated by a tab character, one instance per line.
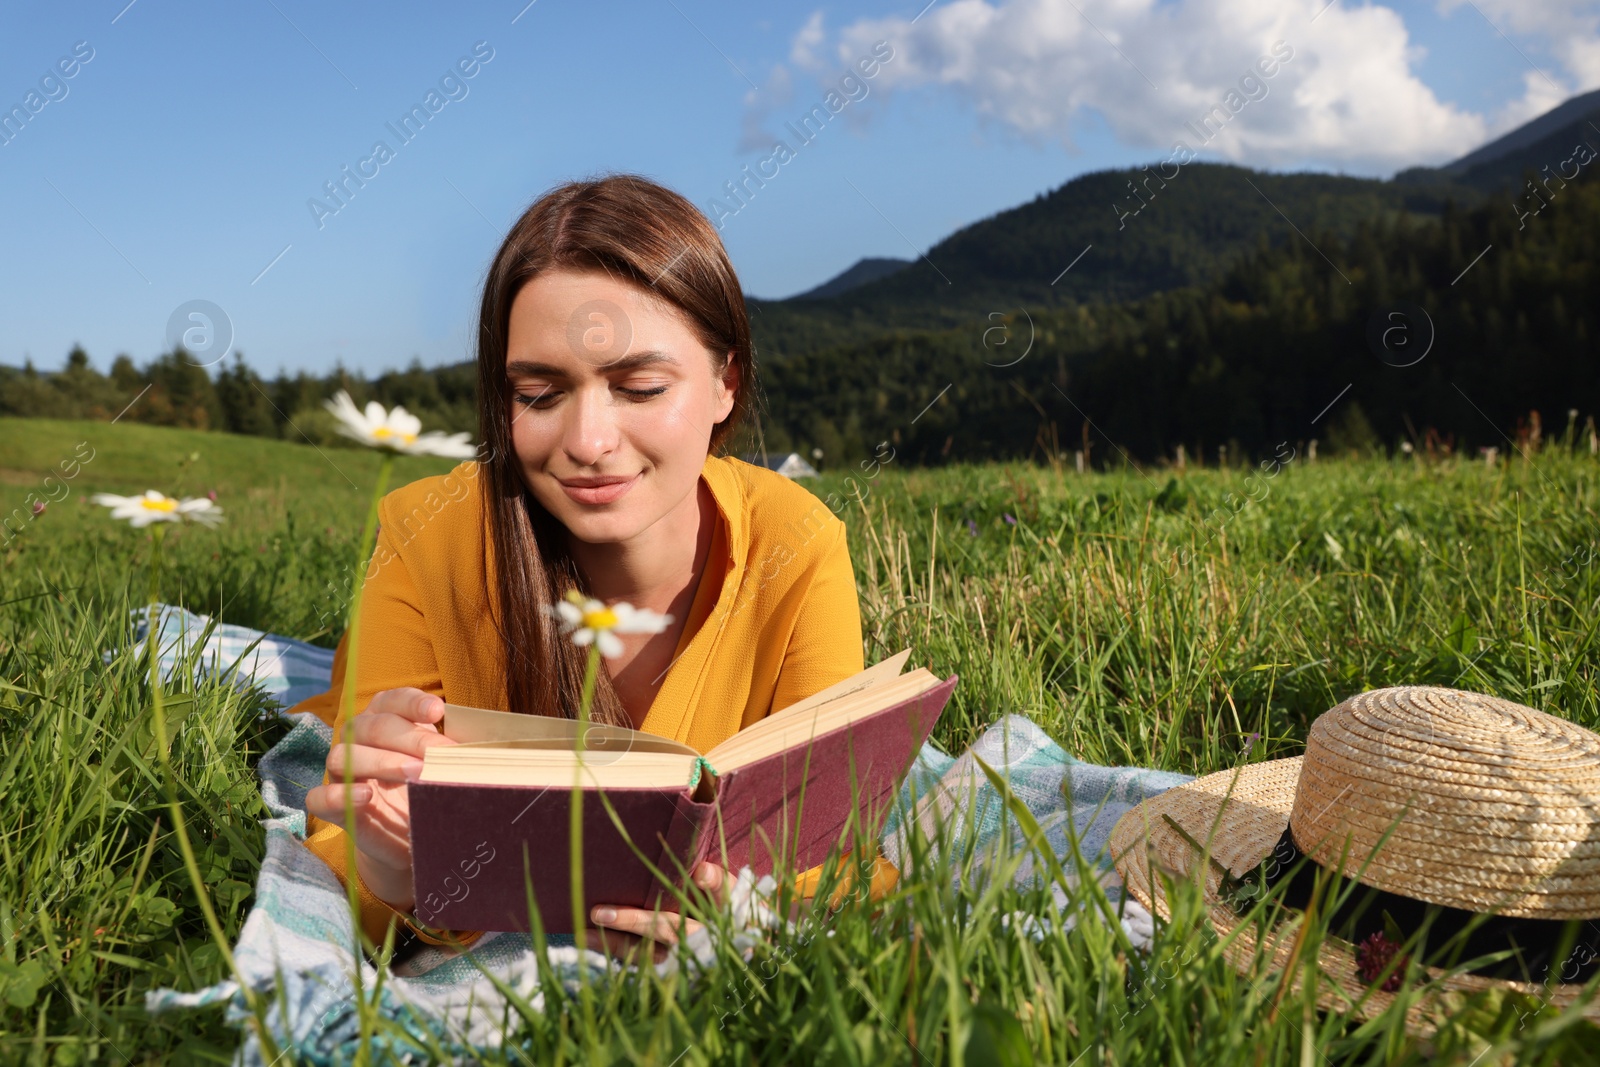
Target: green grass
1140	618
281	560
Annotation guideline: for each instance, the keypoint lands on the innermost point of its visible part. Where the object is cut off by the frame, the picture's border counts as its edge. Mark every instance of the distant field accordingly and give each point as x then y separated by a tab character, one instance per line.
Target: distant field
1141	617
255	478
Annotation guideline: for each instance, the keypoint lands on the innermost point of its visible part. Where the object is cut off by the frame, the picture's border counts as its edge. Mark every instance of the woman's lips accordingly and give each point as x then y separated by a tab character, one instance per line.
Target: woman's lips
597	490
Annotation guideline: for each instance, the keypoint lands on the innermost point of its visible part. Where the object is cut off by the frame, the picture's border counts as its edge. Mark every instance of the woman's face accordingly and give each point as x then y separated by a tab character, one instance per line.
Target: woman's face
613	401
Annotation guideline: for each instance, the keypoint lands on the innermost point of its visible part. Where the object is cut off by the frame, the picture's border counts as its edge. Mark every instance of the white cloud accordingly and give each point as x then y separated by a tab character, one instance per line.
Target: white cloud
1569	28
1570	31
802	53
1348	99
760	104
1538	96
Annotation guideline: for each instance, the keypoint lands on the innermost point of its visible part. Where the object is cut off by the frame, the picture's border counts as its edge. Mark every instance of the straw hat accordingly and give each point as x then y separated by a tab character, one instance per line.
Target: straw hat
1489	807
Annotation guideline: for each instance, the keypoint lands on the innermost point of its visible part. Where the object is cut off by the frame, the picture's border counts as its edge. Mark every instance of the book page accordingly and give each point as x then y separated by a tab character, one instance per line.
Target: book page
470	725
483	729
528	763
877	674
774	734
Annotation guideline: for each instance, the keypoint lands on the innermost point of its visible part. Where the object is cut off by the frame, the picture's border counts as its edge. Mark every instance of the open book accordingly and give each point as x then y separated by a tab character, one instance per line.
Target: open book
489	815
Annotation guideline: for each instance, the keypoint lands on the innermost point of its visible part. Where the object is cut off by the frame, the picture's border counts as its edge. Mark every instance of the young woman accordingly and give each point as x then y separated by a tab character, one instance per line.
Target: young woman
614	358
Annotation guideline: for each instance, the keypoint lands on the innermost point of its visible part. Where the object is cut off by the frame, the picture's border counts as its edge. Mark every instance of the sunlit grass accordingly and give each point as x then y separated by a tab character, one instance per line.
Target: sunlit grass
1084	614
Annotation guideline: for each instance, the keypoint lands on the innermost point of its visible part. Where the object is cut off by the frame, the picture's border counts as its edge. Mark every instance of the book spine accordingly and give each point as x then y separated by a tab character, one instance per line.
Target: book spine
684	845
708	845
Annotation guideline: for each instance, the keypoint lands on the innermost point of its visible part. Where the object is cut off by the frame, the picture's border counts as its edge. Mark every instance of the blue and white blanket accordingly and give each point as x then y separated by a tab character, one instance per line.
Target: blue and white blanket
295	948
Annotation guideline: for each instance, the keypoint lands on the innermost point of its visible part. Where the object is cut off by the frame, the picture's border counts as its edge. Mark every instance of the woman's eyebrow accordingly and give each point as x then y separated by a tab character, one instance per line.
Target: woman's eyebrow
636	360
528	368
647	358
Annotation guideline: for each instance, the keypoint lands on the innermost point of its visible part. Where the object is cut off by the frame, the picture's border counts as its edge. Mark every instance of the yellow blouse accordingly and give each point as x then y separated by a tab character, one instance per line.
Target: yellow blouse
774	619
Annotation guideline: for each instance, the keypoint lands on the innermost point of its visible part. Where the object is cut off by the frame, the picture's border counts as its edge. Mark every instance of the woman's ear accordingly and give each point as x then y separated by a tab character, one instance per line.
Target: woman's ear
729	388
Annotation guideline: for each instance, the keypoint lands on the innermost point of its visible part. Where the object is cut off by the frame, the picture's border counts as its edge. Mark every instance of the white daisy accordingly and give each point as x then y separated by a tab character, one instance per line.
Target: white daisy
141	511
397	430
591	622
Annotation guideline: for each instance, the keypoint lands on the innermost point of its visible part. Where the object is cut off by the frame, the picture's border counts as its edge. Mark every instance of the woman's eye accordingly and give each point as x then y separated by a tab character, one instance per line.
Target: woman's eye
541	399
642	394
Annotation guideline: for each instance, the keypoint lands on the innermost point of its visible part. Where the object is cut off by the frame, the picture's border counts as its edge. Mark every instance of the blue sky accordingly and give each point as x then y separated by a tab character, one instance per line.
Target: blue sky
177	163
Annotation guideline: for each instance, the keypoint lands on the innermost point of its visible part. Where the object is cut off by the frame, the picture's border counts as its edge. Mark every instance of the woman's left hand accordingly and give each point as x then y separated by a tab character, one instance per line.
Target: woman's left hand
623	931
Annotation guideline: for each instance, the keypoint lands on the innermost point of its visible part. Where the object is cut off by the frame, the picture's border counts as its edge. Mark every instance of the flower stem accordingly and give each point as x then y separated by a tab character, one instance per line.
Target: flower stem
158	716
575	814
347	701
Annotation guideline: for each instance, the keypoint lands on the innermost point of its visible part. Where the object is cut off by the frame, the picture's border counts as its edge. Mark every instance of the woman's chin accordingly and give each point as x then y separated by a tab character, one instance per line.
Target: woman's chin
603	528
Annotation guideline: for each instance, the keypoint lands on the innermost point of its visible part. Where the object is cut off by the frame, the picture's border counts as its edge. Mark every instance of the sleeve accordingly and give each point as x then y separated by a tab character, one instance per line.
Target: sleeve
395	652
826	648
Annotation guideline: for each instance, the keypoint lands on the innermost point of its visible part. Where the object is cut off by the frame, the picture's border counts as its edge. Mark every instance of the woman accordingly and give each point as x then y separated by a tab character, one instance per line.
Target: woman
614	358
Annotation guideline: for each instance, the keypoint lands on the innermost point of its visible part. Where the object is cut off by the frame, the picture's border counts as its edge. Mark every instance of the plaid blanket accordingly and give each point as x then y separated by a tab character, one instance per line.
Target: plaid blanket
296	944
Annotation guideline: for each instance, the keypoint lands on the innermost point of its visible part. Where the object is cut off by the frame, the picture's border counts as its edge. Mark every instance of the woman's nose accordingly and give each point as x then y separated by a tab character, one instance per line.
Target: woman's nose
590	433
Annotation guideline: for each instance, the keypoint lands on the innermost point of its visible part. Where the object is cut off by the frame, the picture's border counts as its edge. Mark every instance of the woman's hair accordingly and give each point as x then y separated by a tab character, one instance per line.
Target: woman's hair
644	233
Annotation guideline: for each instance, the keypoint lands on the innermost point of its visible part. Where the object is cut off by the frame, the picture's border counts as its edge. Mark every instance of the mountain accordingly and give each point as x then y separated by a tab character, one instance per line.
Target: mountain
1292	343
1122	235
1545	146
1214	305
1108	236
869	269
1563	121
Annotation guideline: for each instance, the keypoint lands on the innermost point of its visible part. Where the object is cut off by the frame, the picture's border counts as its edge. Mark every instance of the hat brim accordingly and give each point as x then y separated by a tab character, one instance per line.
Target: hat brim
1239	816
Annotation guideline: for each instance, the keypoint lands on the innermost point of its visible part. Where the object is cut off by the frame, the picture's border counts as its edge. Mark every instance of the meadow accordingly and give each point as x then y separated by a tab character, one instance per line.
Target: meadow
1190	620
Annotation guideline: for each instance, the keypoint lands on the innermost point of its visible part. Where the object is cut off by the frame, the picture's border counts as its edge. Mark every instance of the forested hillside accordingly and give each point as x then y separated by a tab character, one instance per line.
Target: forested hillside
237	399
1137	233
1249	360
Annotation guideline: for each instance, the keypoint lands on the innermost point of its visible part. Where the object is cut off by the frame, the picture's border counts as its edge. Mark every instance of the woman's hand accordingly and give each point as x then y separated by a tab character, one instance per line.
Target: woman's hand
623	931
386	743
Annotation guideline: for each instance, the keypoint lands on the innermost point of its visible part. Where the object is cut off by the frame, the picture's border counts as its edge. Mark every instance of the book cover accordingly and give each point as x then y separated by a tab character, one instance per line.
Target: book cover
477	850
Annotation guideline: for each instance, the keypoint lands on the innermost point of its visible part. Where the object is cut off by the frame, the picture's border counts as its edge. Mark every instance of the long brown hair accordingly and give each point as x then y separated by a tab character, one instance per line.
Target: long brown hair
642	232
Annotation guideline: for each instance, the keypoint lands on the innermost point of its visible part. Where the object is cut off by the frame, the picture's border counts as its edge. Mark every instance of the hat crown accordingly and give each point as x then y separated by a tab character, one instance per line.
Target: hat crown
1487	805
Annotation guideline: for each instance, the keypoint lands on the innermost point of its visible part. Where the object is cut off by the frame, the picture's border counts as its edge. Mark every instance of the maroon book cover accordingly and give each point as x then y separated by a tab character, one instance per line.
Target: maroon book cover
477	849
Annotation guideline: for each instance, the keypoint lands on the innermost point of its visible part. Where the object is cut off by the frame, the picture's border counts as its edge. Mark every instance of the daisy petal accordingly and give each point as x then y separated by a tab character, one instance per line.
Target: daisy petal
640	621
404	423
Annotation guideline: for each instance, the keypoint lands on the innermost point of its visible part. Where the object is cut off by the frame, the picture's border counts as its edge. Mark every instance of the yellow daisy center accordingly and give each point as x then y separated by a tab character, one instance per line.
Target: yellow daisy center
159	505
383	433
604	619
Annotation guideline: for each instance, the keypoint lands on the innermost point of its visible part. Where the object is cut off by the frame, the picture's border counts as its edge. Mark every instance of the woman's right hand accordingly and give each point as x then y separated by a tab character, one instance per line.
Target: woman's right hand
386	743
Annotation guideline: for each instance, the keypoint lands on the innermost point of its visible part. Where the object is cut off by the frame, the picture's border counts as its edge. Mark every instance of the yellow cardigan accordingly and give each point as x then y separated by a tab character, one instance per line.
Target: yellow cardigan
774	619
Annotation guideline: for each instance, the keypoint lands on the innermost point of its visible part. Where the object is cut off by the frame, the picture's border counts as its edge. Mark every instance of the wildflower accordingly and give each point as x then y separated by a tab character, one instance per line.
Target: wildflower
594	625
1373	955
392	433
141	511
1011	520
591	622
38	508
972	527
211	495
395	431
